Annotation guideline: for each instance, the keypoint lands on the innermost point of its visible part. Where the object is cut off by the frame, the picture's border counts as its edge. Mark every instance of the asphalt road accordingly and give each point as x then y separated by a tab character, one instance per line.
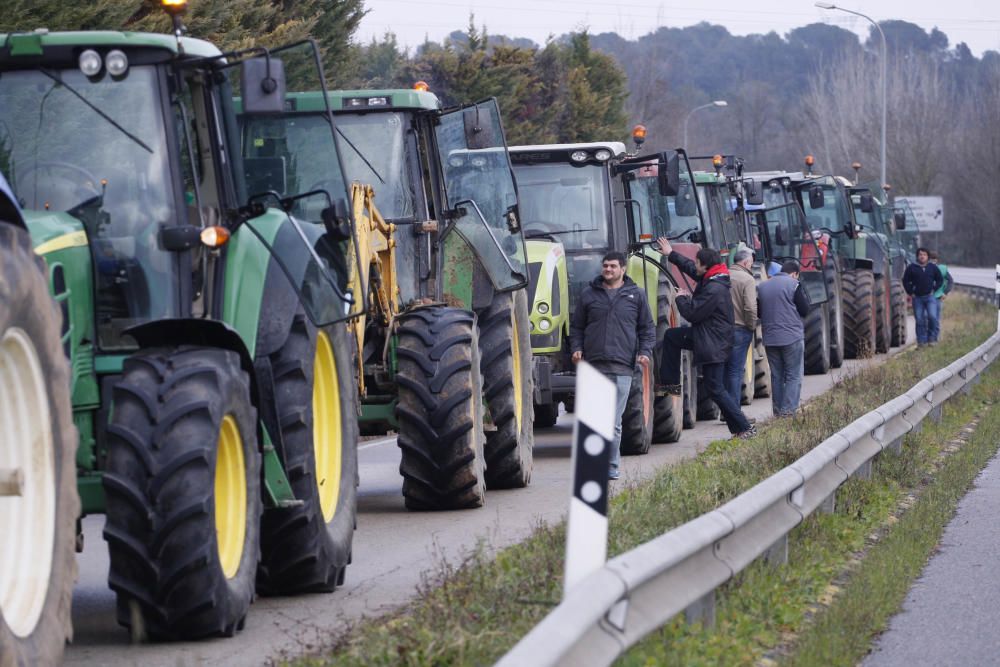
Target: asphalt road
949	616
981	277
393	550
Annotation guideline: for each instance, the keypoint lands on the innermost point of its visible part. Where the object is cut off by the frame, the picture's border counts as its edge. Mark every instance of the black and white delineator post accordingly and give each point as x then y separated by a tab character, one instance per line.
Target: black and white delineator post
593	432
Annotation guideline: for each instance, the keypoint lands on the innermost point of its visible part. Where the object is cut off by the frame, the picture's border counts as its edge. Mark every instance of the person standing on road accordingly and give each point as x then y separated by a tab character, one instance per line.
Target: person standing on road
743	289
783	303
710	336
921	280
940	293
613	329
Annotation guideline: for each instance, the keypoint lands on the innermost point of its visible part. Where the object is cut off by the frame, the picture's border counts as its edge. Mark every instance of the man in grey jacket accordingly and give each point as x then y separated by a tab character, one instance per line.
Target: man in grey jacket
613	329
783	303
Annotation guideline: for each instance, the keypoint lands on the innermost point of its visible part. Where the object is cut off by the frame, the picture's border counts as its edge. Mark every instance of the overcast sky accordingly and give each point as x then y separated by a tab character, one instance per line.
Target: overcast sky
975	22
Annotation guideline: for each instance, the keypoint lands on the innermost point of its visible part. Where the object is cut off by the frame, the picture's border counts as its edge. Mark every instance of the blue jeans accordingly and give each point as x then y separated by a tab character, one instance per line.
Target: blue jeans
786	362
712	375
624	383
736	364
926	313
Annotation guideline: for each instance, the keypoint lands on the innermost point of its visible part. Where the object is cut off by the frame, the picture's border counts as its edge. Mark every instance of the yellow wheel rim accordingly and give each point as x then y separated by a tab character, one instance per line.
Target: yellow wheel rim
515	349
327	433
749	373
230	497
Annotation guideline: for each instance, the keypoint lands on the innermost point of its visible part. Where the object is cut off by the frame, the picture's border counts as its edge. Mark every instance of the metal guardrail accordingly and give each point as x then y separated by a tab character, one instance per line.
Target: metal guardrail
978	292
640	590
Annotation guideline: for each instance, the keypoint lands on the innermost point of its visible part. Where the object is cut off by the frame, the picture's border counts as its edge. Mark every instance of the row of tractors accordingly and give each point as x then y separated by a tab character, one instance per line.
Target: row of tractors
202	308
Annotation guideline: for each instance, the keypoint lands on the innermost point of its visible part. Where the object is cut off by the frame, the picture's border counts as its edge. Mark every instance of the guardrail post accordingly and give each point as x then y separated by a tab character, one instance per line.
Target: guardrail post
702	611
864	471
829	506
777	553
593	432
936	413
896	446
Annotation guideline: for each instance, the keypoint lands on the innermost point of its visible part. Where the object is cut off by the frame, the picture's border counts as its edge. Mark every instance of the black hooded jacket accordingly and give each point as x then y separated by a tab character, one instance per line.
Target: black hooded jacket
710	312
612	327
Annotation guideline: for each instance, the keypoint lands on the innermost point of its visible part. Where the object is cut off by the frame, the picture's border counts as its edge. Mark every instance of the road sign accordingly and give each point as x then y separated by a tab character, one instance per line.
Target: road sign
587	524
927	211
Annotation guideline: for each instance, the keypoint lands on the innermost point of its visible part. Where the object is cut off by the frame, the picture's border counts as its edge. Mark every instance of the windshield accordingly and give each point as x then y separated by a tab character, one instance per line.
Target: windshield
672	216
567	201
833	214
373	148
60	154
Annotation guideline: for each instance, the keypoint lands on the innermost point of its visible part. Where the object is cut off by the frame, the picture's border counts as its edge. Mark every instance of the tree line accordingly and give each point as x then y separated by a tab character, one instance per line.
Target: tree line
815	90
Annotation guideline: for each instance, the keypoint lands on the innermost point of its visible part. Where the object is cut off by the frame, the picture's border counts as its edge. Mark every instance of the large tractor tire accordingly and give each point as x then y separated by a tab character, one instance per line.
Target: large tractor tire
637	420
546	415
817	341
440	409
835	315
505	348
898	299
306	548
182	483
689	389
883	315
859	313
761	370
668	411
38	447
747	385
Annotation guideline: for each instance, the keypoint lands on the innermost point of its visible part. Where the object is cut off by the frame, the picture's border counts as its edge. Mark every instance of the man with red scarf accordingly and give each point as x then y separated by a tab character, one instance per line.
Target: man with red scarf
710	334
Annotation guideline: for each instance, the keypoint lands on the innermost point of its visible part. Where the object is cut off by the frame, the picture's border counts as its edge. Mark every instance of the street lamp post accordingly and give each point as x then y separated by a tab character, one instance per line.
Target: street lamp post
830	5
716	103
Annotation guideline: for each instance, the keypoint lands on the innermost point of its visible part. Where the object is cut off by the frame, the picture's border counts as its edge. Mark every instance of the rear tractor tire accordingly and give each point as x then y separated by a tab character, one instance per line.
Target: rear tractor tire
859	313
505	347
883	314
546	415
899	333
817	341
761	371
182	483
440	409
37	447
637	420
306	548
689	388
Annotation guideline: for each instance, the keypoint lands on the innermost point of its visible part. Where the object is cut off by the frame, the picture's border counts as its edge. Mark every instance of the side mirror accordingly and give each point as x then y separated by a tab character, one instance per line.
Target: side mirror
899	217
753	192
816	197
684	203
668	177
695	237
867	203
262	85
479	133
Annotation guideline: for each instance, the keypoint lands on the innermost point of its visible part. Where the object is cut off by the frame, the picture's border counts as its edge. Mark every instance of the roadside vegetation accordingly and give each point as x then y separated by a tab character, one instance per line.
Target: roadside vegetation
472	612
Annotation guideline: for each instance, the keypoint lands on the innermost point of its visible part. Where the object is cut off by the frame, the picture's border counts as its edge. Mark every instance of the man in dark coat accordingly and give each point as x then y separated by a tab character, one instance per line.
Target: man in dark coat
921	280
710	312
613	329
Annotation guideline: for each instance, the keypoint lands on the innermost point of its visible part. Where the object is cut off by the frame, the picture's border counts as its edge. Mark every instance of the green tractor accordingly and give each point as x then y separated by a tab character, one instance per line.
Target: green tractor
210	363
444	344
578	202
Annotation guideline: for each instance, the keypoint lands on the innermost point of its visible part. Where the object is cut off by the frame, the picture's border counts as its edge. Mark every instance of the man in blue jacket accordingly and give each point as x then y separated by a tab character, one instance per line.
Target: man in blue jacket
613	329
783	303
710	336
921	280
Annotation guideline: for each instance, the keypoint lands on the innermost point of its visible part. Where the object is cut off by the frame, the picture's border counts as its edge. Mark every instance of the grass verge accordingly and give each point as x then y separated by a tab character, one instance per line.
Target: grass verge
473	612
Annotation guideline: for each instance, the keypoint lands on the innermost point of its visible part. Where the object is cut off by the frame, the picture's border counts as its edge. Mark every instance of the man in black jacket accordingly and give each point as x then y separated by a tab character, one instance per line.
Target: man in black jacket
612	329
921	280
710	312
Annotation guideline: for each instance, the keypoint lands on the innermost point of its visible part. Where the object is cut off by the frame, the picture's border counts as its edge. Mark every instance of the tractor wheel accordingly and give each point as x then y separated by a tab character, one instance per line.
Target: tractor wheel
883	314
817	339
668	417
182	483
505	364
859	313
37	449
835	315
761	371
546	415
707	409
637	420
440	409
306	548
747	386
898	298
689	388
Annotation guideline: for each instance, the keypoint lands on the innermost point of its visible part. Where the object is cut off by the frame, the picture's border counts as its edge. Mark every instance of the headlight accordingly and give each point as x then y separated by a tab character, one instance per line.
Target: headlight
544	324
456	161
603	155
117	62
578	156
478	161
90	62
542	307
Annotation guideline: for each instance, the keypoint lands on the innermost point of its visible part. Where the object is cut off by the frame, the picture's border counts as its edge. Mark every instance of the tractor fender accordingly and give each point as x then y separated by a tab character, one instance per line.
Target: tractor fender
279	303
205	333
859	263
